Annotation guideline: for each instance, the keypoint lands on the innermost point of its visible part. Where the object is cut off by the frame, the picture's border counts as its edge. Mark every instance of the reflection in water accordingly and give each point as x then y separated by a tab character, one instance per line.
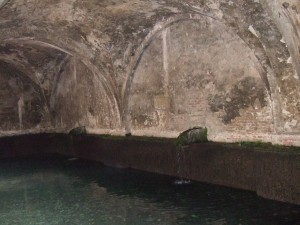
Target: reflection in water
58	191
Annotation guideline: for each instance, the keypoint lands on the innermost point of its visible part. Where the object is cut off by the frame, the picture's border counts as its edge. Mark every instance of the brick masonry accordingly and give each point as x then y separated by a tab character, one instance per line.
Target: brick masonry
271	174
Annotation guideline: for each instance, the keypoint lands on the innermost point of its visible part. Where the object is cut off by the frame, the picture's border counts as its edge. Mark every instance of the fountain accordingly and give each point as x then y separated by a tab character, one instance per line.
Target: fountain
194	135
181	168
20	111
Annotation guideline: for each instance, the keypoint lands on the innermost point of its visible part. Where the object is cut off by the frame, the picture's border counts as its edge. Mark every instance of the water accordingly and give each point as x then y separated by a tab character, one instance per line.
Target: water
69	192
181	168
20	111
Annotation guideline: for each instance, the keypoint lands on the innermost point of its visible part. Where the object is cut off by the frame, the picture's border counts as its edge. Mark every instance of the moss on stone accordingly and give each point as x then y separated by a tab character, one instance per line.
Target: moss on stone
135	138
78	131
194	135
255	144
264	146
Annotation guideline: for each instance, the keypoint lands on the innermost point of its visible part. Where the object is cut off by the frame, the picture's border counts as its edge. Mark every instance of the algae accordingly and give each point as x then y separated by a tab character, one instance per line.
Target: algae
194	135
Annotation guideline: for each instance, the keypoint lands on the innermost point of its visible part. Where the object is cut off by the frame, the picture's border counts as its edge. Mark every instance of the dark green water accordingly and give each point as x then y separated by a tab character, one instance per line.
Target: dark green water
54	190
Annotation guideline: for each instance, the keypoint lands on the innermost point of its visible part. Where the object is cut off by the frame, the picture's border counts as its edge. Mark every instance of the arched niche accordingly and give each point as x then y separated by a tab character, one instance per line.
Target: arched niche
199	73
75	92
80	98
22	105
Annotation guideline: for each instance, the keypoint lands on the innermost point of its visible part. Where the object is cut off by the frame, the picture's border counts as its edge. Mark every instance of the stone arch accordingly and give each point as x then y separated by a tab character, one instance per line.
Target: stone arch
2	3
29	55
66	62
25	106
161	28
153	33
156	31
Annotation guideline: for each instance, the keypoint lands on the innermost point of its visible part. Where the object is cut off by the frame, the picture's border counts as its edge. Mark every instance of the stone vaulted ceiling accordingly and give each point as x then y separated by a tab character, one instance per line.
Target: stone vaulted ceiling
151	67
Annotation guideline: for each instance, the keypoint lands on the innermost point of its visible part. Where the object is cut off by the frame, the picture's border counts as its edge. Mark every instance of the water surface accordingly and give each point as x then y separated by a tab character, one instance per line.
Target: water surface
55	190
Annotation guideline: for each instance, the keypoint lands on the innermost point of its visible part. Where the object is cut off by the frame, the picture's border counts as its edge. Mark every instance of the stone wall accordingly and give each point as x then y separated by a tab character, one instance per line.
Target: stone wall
271	174
151	67
209	77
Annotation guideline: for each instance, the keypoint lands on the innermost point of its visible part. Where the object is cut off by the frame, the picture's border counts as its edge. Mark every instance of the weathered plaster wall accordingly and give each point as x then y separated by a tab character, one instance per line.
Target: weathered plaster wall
151	67
197	79
2	2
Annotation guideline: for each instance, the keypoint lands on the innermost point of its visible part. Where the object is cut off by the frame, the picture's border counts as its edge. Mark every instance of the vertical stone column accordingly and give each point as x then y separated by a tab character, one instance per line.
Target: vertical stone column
166	59
162	102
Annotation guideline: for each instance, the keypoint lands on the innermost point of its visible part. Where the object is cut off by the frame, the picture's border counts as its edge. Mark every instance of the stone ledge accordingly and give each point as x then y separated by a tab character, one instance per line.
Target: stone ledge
272	174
